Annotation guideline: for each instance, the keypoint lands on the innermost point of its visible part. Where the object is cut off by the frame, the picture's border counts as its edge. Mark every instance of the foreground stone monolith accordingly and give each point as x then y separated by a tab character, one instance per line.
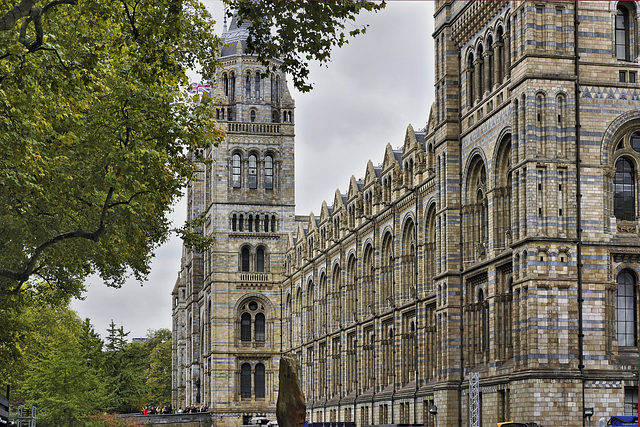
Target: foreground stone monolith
290	409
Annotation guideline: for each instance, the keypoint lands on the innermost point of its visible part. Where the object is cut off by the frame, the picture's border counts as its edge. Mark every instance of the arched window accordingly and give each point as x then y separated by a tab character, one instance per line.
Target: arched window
624	203
408	261
622	34
241	223
225	83
245	327
260	259
248	85
470	80
252	323
257	222
234	222
245	257
251	223
253	172
475	212
260	323
259	381
232	87
256	89
268	172
235	171
626	309
386	283
273	223
245	381
252	116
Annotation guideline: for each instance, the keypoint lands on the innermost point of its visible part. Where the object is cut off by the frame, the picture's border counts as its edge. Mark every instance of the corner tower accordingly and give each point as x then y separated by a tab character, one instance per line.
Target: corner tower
226	310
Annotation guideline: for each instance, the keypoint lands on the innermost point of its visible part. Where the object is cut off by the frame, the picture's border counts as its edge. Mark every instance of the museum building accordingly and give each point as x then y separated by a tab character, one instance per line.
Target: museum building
486	270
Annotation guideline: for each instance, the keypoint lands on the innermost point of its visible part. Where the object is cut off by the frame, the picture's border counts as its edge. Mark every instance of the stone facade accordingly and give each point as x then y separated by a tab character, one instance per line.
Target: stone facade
501	239
226	302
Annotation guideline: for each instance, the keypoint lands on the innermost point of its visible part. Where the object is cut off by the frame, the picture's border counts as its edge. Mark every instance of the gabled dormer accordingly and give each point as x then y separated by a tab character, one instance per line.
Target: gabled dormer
338	214
354	202
391	173
372	189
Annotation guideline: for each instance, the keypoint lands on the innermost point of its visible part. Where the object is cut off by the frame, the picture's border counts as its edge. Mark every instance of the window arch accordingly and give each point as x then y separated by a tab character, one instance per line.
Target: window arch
623	33
236	171
386	271
248	85
245	327
252	323
475	211
259	380
408	261
624	192
253	171
245	381
470	79
268	172
245	257
260	259
260	327
626	309
252	116
351	288
368	281
256	89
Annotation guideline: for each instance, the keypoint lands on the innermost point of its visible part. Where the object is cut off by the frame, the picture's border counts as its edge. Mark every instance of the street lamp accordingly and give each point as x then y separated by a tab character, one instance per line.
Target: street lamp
588	413
433	410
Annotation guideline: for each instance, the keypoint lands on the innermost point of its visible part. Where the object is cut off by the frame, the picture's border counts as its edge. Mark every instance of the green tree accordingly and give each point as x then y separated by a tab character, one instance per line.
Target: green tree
60	378
94	132
298	32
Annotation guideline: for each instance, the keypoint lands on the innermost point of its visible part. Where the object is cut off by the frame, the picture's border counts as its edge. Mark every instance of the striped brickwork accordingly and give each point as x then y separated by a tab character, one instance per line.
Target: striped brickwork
465	251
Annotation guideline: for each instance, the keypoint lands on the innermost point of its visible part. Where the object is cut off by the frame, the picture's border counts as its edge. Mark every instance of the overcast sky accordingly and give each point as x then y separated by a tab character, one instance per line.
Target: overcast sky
371	91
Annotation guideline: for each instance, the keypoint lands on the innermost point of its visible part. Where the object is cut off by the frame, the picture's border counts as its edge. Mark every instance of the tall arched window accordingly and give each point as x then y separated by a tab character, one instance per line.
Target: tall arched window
352	286
252	115
622	34
260	323
626	309
245	327
241	223
245	258
386	283
273	223
232	87
408	261
234	222
235	171
253	171
268	172
256	89
470	80
260	259
624	203
245	381
259	381
247	85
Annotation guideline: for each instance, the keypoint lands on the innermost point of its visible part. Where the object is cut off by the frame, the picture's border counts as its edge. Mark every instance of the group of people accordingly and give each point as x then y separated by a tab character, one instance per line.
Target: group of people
155	410
192	409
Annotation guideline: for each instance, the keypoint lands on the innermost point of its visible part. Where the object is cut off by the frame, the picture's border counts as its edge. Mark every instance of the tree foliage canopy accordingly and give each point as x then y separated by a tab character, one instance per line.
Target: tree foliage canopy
298	32
93	134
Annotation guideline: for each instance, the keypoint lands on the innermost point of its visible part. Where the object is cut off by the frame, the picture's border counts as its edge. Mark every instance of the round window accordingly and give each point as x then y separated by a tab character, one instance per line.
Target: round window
253	305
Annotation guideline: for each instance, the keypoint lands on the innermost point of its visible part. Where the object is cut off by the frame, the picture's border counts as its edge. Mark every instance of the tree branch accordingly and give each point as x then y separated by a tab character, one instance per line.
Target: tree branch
10	19
22	276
